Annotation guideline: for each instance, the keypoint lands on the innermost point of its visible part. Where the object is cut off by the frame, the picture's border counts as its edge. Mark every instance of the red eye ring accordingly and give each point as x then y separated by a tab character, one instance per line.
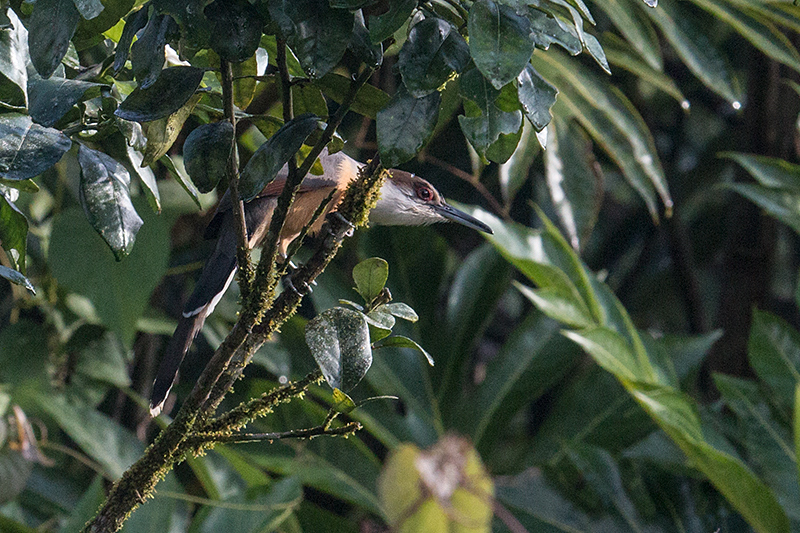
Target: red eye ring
424	194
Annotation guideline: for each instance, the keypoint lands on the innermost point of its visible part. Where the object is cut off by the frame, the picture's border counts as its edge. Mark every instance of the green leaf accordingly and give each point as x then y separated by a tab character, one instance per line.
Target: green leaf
120	291
147	53
106	200
53	98
319	35
399	341
761	34
133	23
614	123
196	29
89	32
796	426
339	340
384	26
774	353
782	204
362	46
637	30
370	276
515	172
344	403
401	310
308	99
16	470
267	508
770	172
28	149
50	28
98	354
206	152
486	120
693	46
13	232
161	133
16	278
547	30
170	92
433	52
13	56
271	156
559	303
237	29
183	179
369	99
405	125
610	351
575	188
536	96
499	41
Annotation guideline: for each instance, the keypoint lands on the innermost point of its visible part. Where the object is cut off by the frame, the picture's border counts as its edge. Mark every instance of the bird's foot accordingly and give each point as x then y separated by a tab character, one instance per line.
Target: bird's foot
303	290
352	226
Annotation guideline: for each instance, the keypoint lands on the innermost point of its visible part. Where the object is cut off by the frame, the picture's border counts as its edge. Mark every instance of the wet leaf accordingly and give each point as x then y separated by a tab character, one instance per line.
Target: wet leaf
13	56
105	196
206	152
405	125
270	157
50	28
28	149
547	30
499	41
339	340
170	92
433	52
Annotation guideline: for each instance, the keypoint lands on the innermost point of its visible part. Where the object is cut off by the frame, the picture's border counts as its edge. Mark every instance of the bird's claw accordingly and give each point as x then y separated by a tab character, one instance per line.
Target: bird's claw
304	290
352	227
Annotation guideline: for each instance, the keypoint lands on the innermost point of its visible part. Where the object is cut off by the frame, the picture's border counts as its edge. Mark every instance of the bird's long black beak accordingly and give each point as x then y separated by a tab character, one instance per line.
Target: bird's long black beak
451	213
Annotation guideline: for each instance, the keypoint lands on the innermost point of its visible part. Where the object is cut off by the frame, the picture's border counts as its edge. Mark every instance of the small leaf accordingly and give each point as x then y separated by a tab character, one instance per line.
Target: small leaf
105	196
536	96
270	157
405	125
28	149
499	41
383	26
171	91
308	99
50	28
13	56
237	29
342	402
370	276
399	341
433	51
779	203
147	53
206	152
16	278
401	310
339	340
13	232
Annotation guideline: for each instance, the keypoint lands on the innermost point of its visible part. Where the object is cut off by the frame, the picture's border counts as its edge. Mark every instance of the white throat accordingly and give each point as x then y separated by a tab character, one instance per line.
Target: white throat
396	207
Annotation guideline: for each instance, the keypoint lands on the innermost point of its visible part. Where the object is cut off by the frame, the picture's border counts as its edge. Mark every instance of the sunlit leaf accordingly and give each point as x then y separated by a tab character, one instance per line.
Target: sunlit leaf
370	276
16	278
339	340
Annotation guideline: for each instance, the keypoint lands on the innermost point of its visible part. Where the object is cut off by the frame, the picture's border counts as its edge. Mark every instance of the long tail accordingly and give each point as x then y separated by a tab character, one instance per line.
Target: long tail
217	274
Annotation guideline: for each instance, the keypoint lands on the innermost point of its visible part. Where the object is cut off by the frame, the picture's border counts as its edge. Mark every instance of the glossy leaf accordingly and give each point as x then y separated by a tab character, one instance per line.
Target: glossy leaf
536	96
206	152
399	341
761	34
147	53
547	30
405	125
370	276
693	46
105	196
319	35
774	353
133	23
237	29
13	73
13	232
16	278
575	189
369	99
383	26
28	149
52	98
271	156
499	41
120	291
161	133
171	91
50	28
339	341
433	52
486	121
401	310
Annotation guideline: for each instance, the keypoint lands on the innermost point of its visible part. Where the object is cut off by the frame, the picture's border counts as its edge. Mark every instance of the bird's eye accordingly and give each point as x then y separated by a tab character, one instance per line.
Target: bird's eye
424	194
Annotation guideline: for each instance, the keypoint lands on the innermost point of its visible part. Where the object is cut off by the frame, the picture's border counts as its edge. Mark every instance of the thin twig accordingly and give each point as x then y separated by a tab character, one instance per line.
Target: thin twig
347	429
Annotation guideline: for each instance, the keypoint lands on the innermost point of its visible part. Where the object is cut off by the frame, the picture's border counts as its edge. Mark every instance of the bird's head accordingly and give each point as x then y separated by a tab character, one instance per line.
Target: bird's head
408	200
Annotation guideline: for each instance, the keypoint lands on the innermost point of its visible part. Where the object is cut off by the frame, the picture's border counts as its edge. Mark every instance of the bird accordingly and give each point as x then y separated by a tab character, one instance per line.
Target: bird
405	200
